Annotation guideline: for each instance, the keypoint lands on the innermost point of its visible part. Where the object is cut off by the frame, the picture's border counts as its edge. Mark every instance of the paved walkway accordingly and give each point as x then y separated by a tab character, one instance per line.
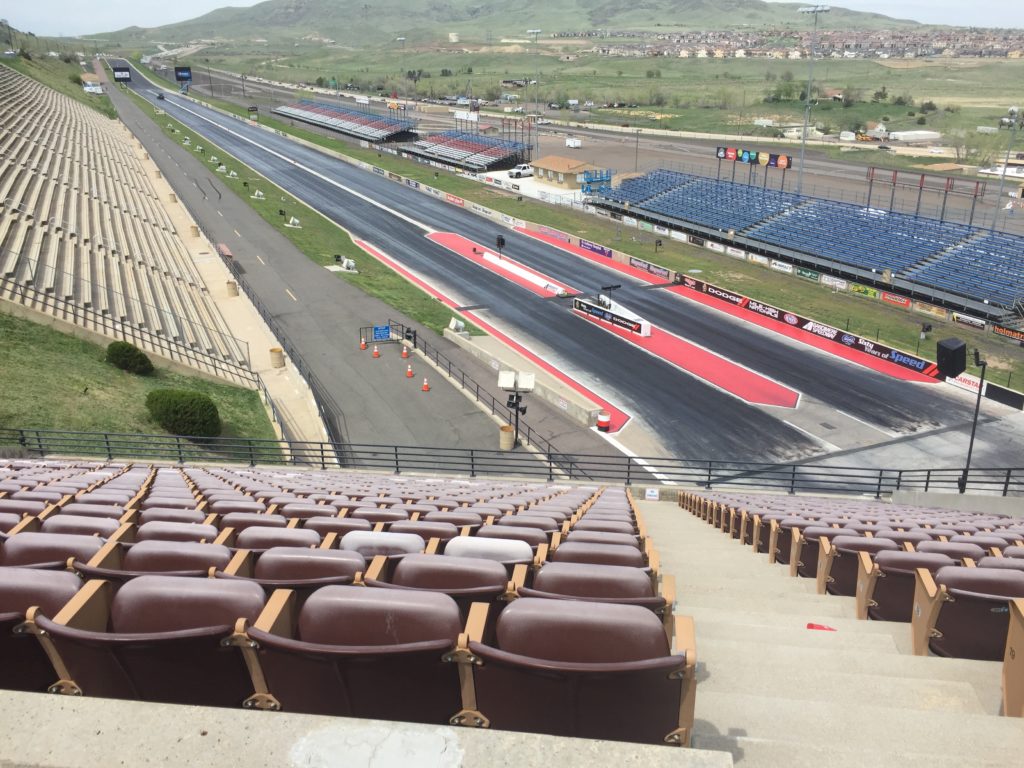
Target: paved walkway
375	401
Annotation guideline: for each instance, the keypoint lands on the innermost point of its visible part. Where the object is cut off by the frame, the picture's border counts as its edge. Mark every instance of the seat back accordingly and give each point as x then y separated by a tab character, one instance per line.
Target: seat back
299	564
532	536
372	653
48	549
586	581
843	575
162	531
259	539
578	668
974	624
372	543
426	530
157	556
599	554
957	551
500	550
76	524
450	574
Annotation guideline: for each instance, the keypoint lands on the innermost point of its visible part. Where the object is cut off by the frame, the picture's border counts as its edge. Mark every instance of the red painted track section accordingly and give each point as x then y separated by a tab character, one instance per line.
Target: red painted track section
619	418
510	269
724	374
797	334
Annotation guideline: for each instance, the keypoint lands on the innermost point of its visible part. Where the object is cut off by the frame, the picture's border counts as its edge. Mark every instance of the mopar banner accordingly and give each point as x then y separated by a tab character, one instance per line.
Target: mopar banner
654	269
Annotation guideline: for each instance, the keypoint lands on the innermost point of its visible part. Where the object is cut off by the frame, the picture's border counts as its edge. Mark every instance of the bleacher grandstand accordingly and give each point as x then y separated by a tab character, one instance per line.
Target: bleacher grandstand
966	261
352	122
469	150
328	593
83	236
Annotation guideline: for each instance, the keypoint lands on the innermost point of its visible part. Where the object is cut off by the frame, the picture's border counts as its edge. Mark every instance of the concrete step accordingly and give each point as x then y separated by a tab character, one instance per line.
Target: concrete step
803	682
769	753
799	604
830	658
851	720
747	584
794	621
711	631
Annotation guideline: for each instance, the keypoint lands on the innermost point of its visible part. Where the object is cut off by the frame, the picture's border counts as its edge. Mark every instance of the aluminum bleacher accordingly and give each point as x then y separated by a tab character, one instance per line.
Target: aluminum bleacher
81	228
468	150
353	122
945	256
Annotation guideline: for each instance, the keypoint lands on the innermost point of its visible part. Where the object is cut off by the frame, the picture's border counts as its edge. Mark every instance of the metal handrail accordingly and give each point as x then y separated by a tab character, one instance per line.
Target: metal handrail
546	467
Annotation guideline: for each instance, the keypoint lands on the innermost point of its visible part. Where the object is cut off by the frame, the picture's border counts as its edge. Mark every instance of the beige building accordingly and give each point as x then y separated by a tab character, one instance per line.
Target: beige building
565	172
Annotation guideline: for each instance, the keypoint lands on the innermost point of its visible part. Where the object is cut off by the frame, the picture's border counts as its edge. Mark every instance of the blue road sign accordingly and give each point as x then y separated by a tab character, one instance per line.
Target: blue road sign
382	333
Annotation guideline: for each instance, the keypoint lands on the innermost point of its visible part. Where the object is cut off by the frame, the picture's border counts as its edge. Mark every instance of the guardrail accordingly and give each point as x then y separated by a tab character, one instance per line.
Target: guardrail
546	467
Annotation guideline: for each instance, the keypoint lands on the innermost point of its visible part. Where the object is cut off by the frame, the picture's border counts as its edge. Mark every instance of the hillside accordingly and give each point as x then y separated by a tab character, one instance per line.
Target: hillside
351	22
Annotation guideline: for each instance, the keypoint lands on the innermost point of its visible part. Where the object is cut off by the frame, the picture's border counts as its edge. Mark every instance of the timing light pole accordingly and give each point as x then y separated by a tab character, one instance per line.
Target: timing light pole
816	10
401	80
1014	118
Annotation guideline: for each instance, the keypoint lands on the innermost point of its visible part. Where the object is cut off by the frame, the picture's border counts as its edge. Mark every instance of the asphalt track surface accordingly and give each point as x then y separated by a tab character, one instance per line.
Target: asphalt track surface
691	418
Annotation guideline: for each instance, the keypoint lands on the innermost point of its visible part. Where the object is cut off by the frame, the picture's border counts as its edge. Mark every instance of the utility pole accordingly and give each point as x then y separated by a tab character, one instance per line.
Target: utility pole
816	10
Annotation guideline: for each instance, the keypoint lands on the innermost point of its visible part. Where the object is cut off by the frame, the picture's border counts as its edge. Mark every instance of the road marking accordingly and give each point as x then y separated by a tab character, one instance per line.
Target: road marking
643	464
290	294
237	233
365	198
825	443
261	260
868	424
221	215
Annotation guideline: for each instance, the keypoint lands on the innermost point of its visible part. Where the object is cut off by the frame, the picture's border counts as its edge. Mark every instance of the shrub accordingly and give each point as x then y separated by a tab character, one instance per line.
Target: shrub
184	412
129	358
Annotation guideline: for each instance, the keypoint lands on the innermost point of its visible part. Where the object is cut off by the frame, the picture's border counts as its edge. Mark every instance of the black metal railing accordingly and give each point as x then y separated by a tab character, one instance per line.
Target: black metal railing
538	465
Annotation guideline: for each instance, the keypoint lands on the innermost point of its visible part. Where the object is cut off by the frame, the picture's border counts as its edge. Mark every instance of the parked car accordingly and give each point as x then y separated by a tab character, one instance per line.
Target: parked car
520	171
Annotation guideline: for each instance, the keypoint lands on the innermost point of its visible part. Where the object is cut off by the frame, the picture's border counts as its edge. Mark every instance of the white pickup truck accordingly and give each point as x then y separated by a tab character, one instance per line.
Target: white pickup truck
520	171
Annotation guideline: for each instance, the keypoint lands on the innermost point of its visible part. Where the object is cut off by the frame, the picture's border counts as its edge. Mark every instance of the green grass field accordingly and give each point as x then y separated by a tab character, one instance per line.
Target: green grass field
51	380
58	75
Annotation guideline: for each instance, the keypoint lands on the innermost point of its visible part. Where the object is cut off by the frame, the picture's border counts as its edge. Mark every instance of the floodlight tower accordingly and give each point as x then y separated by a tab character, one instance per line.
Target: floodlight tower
401	80
816	10
1013	115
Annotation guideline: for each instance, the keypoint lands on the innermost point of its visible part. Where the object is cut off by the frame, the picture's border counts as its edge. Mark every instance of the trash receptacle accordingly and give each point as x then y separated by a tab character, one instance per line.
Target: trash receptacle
506	437
232	288
276	357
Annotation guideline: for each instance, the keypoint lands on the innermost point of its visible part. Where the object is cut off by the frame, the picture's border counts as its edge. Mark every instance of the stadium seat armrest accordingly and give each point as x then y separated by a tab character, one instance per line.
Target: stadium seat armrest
241	564
542	555
226	537
432	546
110	555
867	576
517	582
280	615
755	532
927	604
773	540
556	539
826	556
476	622
329	541
796	547
685	643
25	525
125	533
211	519
1013	663
89	609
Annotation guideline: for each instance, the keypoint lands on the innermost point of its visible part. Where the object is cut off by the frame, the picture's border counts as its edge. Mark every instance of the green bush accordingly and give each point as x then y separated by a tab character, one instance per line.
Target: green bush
184	412
129	358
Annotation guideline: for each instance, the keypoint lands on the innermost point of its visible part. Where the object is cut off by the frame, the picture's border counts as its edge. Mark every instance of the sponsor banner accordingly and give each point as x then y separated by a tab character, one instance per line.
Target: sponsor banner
603	314
736	253
966	382
781	266
602	212
629	221
122	74
600	250
654	269
716	247
864	290
481	209
691	282
765	309
1010	333
808	274
646	226
697	240
660	229
758	259
556	233
379	171
1005	396
721	293
506	219
970	322
929	309
394	176
834	282
448	196
895	298
435	192
412	183
183	74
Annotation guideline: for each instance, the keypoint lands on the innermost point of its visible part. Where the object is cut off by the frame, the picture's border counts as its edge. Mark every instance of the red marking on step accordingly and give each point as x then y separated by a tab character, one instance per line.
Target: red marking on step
822	627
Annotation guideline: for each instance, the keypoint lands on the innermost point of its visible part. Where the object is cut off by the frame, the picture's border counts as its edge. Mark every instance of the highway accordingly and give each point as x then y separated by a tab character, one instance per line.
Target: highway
690	418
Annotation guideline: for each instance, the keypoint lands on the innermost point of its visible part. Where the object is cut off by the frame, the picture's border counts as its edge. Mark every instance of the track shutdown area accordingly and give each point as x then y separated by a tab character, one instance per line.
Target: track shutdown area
691	418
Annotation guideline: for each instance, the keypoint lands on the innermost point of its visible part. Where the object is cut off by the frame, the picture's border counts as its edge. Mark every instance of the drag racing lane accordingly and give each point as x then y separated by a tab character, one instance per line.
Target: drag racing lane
692	419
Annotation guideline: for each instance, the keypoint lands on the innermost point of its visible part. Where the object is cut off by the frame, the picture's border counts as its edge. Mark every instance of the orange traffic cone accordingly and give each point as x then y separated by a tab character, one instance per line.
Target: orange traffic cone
405	352
426	387
408	372
362	343
376	352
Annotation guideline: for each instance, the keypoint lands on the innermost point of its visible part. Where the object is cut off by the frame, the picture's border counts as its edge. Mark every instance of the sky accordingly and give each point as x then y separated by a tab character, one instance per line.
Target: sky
74	17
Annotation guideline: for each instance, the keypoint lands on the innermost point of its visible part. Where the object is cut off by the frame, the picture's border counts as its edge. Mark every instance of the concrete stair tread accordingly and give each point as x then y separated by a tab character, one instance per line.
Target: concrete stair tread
809	683
796	620
762	635
846	719
813	605
749	752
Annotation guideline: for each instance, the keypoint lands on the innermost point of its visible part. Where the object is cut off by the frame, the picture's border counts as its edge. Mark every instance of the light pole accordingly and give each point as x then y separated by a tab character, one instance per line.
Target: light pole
816	10
1014	113
636	153
983	364
536	82
401	80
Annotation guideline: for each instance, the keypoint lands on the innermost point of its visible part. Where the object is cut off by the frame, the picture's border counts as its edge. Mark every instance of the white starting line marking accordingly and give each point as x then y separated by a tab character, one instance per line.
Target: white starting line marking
640	462
290	294
261	260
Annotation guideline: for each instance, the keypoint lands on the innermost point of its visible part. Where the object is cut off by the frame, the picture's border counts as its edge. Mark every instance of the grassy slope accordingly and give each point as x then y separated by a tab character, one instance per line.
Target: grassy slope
870	318
57	75
51	380
318	238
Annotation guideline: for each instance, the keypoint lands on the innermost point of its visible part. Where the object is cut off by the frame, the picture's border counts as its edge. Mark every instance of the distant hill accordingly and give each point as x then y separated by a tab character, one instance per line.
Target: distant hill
361	22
